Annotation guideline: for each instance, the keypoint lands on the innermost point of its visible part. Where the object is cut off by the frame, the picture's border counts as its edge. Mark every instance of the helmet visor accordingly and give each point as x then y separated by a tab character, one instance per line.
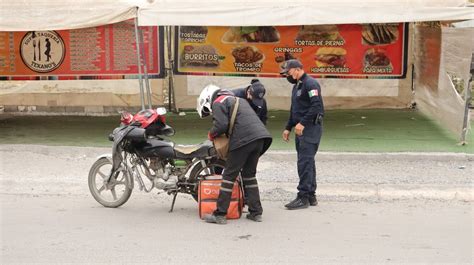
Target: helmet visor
205	111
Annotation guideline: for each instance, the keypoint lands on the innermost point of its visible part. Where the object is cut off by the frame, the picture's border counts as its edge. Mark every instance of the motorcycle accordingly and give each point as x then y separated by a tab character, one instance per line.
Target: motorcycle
141	153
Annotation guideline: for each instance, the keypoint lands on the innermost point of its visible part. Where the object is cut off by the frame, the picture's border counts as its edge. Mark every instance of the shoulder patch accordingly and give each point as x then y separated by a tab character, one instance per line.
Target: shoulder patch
313	93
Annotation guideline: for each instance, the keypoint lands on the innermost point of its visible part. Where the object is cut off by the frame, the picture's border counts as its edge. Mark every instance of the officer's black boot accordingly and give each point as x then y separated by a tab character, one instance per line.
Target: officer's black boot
312	200
292	202
298	203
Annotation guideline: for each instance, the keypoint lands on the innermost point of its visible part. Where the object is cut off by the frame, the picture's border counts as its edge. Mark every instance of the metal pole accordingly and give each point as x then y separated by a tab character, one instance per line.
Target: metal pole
145	69
139	64
171	96
466	110
168	37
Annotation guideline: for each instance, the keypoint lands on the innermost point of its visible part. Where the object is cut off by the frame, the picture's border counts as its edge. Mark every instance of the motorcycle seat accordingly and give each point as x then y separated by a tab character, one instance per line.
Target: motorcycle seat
187	149
191	151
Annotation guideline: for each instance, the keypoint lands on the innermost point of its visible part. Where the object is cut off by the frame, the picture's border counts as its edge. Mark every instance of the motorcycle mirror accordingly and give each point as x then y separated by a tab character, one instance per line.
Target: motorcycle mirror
161	111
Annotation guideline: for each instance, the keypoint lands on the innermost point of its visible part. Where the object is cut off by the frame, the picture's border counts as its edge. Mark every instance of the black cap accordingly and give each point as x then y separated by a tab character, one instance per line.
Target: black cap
257	90
293	63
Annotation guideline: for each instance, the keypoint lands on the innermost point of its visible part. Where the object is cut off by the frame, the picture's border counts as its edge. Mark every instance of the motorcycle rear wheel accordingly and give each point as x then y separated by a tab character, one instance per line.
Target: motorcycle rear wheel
215	166
118	191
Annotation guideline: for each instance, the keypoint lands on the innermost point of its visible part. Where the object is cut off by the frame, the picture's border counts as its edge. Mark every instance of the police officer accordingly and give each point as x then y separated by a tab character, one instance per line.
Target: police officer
254	94
307	111
248	141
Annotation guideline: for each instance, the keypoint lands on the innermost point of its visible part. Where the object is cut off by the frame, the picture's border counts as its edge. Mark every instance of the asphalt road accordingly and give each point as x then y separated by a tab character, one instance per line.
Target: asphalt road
374	209
75	229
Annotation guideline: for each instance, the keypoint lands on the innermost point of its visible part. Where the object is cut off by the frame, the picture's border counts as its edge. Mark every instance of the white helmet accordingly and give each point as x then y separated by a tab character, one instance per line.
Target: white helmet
204	103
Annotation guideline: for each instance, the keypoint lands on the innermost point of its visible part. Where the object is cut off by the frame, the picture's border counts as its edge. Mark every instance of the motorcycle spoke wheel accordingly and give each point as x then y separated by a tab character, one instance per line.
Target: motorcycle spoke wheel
213	167
112	194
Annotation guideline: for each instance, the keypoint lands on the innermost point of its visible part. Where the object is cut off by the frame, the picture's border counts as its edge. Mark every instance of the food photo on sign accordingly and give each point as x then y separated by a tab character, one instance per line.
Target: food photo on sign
199	56
331	57
251	34
377	34
376	59
318	34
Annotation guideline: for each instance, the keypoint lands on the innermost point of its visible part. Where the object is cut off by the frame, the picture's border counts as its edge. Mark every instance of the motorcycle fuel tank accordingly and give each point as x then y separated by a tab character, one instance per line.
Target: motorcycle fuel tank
156	148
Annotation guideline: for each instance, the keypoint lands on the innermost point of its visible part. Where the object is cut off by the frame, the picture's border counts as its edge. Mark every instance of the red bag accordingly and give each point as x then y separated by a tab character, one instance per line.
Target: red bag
208	194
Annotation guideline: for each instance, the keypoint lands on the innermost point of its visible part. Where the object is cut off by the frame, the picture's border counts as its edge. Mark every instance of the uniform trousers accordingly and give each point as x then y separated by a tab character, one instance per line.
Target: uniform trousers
242	160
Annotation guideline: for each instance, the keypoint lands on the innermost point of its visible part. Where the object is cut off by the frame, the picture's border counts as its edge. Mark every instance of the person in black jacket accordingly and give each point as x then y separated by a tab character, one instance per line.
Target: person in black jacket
248	141
254	94
306	114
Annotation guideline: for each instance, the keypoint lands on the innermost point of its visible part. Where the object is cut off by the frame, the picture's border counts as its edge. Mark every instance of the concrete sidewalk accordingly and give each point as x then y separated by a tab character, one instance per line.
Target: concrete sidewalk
374	176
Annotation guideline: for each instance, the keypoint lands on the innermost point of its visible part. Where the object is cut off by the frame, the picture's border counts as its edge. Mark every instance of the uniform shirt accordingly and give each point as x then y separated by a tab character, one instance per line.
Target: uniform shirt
306	102
261	111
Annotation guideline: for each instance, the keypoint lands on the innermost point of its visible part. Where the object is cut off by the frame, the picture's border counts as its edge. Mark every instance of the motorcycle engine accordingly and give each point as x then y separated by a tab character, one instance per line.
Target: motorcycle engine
157	166
165	174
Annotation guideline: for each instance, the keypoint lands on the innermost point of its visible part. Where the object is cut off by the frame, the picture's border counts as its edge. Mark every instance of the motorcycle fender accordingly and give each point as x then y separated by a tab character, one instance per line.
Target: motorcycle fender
108	156
193	165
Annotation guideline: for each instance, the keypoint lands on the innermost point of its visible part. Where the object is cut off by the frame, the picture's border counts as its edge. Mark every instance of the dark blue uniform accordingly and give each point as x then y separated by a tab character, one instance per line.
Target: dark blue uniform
307	108
261	111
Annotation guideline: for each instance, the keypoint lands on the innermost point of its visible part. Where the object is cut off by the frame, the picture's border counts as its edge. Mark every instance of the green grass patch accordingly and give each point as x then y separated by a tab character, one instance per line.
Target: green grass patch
344	130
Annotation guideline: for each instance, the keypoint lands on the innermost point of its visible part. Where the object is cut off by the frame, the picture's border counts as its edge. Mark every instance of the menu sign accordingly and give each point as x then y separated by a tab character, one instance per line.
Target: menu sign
325	50
105	50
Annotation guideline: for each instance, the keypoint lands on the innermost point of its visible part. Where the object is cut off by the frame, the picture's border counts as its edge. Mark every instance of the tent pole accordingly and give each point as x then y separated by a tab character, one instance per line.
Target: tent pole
171	96
145	69
466	110
139	64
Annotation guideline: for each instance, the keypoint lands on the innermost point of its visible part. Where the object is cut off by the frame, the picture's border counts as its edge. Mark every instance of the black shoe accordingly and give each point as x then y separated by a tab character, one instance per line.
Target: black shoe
299	203
256	218
312	200
292	202
216	219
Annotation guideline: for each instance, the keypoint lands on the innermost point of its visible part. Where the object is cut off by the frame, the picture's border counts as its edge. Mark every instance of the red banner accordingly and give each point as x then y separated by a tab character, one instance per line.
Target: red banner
325	50
108	51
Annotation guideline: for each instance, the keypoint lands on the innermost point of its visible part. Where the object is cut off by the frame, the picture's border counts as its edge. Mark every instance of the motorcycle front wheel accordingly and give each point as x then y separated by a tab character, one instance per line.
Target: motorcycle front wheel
213	167
112	194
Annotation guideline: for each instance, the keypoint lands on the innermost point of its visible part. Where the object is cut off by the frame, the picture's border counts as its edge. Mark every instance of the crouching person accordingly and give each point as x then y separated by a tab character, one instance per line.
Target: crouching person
248	141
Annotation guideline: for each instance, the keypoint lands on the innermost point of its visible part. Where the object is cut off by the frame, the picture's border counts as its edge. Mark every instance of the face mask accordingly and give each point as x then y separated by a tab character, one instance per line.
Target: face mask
291	79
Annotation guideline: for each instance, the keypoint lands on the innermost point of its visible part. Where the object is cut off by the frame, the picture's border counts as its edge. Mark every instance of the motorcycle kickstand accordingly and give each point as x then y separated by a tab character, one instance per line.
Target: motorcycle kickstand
174	200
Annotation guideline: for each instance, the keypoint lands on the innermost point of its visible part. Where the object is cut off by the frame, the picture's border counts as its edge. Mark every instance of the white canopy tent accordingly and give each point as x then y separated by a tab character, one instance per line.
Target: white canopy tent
305	12
299	12
27	15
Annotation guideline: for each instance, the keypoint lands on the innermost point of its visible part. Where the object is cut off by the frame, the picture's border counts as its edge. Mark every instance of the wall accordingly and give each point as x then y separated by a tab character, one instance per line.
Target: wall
440	51
75	96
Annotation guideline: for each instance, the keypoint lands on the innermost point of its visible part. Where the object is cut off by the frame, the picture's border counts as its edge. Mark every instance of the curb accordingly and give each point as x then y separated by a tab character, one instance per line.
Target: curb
435	156
373	191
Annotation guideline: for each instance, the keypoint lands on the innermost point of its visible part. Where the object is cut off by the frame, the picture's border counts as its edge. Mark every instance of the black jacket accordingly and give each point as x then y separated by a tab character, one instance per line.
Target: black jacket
247	126
260	111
